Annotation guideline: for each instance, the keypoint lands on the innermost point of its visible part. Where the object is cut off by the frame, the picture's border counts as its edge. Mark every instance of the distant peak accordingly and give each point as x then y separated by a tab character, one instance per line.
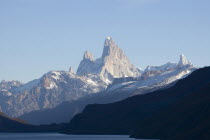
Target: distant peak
112	64
109	47
71	70
109	41
88	55
183	57
183	61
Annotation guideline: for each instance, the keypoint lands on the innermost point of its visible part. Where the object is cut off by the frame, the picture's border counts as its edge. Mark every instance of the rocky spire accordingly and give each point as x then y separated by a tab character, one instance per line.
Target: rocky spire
183	61
71	70
109	41
109	47
88	55
86	66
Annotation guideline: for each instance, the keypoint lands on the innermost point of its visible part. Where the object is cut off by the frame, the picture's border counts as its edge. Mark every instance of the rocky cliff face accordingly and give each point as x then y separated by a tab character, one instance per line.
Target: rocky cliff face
184	61
113	63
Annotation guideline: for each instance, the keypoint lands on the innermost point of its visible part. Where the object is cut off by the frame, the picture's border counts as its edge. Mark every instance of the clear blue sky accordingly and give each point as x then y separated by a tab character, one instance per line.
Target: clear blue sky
37	36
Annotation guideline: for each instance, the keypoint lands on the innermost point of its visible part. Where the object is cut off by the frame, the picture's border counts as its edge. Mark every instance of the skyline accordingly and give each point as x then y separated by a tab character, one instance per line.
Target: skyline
38	36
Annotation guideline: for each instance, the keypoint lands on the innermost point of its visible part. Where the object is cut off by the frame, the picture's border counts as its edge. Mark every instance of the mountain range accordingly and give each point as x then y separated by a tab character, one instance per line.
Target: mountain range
179	112
58	96
110	96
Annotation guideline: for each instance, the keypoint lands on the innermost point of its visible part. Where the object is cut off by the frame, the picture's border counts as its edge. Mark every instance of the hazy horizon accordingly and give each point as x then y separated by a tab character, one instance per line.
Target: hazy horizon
38	36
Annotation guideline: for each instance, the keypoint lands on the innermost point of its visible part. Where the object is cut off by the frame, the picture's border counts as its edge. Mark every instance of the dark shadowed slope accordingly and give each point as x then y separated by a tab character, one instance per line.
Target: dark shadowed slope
180	112
8	124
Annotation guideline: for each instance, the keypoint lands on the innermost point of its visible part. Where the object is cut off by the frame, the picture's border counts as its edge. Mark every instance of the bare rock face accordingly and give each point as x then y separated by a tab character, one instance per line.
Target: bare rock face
116	62
113	63
86	65
184	61
71	70
87	55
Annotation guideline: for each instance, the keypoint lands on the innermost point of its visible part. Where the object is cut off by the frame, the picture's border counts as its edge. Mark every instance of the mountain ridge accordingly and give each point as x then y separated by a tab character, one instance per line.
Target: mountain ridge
120	89
92	78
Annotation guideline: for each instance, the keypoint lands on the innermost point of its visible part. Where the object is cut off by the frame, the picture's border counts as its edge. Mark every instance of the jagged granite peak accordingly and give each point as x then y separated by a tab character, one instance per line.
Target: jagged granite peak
109	41
113	63
87	55
108	46
183	61
86	65
71	70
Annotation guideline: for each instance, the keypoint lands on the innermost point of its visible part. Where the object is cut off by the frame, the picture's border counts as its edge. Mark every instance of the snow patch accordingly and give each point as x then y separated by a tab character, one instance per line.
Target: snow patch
56	75
90	81
51	86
